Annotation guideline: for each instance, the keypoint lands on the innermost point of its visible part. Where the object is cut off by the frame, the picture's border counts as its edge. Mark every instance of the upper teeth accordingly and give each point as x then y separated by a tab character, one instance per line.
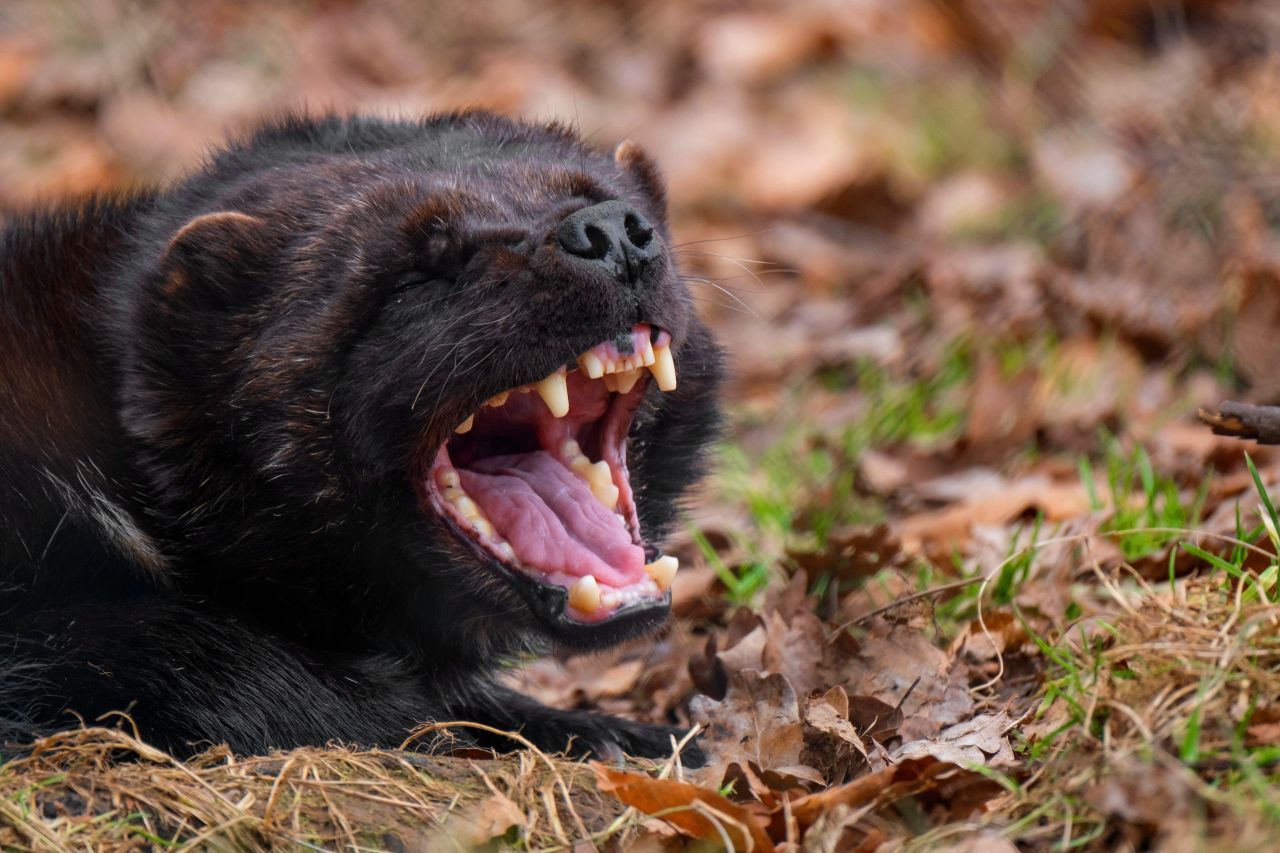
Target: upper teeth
554	391
619	372
664	369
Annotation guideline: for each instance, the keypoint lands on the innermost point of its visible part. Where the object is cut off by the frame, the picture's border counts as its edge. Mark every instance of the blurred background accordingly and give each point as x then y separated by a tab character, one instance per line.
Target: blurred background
936	236
976	262
1000	236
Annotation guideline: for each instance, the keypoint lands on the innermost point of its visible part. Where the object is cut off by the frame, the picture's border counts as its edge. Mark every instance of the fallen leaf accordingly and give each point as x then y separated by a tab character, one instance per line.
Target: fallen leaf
980	740
481	823
694	811
757	723
832	745
911	777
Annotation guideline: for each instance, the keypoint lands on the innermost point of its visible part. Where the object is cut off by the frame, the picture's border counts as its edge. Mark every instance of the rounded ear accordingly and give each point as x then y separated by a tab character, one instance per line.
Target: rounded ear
636	162
212	257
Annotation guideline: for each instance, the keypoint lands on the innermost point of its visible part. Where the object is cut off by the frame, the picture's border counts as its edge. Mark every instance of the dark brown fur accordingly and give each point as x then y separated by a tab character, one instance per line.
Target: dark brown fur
214	401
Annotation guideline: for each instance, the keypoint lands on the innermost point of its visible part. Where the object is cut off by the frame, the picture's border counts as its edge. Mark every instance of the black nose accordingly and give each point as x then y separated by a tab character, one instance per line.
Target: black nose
612	235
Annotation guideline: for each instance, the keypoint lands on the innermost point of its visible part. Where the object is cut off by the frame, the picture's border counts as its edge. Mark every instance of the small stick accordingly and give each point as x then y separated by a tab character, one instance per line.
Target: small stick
1242	420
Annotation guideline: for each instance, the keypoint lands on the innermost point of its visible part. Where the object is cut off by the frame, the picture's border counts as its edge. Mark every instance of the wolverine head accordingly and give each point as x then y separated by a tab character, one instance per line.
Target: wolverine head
449	367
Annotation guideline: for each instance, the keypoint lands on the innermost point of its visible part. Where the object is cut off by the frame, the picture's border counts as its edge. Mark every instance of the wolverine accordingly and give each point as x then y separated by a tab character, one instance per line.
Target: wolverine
307	446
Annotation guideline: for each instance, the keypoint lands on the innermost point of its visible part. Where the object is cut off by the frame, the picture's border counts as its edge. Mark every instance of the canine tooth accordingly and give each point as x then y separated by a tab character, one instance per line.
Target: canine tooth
554	391
465	426
663	571
591	364
497	399
626	381
664	368
584	595
447	478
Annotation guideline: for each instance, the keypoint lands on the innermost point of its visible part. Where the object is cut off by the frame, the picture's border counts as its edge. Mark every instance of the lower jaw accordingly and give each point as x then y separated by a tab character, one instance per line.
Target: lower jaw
548	603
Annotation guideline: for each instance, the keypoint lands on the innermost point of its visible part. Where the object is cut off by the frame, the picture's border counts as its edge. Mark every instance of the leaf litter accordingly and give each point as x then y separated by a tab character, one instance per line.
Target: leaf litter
970	575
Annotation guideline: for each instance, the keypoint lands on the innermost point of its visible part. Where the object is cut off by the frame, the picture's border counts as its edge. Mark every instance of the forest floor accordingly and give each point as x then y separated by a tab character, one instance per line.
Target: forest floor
970	574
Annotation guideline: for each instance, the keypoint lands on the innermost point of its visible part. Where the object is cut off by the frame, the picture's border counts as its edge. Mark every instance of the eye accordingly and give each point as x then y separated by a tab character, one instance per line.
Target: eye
411	280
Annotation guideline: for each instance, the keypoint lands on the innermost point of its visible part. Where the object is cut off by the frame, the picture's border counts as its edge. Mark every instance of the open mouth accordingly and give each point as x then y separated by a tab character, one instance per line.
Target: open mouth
537	481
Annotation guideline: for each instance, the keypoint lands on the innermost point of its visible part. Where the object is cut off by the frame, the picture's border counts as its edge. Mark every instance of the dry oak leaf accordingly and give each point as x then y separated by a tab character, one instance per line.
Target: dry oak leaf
954	524
981	740
908	778
757	724
694	811
904	668
832	744
475	826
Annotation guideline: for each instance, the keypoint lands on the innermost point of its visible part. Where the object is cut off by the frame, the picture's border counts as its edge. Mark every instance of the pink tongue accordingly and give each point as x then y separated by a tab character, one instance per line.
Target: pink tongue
551	519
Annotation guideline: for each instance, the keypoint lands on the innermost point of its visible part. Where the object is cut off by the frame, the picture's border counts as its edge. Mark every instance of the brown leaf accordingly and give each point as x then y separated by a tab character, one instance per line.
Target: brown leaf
694	811
483	822
911	777
946	527
874	719
831	743
980	740
997	633
853	553
905	667
757	723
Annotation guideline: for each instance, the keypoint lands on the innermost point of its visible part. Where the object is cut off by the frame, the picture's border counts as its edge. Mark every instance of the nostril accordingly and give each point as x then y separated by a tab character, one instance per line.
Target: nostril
611	235
639	232
599	243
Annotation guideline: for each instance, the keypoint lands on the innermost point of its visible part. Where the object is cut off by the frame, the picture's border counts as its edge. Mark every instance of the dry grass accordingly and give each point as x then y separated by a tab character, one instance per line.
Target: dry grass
102	789
1158	729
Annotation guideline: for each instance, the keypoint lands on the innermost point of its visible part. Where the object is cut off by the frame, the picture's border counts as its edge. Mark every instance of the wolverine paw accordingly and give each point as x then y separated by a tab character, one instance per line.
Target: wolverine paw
609	738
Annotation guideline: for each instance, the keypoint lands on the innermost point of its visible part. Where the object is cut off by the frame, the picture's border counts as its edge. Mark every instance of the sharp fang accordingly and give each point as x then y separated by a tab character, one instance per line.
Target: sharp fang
584	595
624	382
554	391
592	364
663	571
465	426
664	368
497	399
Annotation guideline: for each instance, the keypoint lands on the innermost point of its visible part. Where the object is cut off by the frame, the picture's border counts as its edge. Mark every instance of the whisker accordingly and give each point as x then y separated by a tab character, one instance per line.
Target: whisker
719	239
727	292
741	307
721	255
